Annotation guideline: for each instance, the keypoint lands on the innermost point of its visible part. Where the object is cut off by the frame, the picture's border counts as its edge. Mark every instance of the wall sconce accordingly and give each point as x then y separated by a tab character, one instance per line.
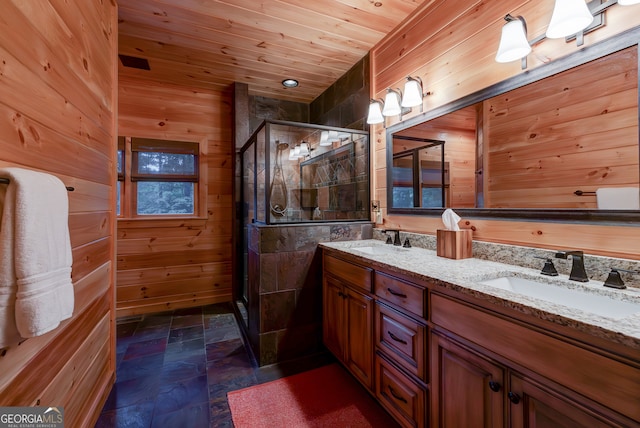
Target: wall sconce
304	149
513	42
395	103
570	19
392	103
324	139
412	93
292	153
375	112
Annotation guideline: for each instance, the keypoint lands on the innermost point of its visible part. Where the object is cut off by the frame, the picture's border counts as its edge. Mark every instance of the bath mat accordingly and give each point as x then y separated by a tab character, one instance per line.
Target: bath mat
325	397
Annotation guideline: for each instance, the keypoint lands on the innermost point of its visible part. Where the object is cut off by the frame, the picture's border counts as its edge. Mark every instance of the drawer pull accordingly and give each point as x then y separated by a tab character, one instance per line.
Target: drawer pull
396	338
395	293
396	396
513	397
494	386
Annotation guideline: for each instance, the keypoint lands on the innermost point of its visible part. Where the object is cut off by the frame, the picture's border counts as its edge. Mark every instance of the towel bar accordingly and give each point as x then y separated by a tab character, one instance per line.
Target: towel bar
581	193
7	181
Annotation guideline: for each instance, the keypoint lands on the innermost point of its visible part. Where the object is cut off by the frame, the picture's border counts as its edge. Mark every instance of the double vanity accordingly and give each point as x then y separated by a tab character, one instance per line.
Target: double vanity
463	343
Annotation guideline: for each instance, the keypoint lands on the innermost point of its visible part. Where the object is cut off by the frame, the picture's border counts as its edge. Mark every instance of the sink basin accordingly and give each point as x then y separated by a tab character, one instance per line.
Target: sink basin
589	302
380	249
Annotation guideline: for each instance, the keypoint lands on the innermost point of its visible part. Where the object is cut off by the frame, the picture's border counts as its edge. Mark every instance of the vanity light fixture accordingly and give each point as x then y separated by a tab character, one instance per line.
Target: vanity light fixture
324	138
570	19
412	92
392	103
375	112
513	43
304	149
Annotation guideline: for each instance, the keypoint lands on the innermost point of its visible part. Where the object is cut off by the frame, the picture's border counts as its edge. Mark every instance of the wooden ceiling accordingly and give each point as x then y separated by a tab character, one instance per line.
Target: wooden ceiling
210	44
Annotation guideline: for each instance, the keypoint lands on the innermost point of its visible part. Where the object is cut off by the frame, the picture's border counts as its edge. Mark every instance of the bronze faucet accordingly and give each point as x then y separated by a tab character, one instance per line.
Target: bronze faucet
578	272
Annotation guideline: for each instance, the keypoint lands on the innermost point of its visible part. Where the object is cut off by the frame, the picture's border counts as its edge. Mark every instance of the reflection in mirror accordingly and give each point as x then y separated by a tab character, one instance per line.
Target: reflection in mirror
420	174
559	143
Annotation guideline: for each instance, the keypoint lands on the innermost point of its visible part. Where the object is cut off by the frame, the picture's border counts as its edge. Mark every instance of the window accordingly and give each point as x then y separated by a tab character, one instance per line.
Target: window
164	177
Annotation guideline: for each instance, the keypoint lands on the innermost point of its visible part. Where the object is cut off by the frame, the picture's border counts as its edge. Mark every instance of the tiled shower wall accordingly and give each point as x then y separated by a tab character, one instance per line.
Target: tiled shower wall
285	286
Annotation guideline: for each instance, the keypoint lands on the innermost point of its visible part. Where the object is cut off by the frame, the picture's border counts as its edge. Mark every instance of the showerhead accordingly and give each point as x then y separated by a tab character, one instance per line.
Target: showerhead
281	146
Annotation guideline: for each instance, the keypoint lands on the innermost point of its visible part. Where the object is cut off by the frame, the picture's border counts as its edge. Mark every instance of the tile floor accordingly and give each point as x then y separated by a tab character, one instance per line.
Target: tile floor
174	370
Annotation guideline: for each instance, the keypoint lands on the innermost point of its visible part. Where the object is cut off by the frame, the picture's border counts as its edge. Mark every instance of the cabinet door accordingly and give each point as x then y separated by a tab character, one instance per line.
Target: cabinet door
333	317
470	388
360	336
534	406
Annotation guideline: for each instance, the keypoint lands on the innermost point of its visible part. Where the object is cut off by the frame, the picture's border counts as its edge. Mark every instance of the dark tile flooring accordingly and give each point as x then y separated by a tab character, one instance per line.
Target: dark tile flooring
174	369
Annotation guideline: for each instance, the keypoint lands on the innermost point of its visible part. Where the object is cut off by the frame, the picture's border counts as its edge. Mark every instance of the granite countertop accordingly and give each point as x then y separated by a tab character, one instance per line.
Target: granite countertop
466	276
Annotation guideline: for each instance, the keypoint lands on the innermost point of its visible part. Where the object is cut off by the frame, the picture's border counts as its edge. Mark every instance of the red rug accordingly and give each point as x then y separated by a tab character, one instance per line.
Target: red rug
324	397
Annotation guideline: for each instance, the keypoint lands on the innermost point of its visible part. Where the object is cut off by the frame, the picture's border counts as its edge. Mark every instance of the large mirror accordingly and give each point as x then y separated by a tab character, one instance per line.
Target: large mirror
559	142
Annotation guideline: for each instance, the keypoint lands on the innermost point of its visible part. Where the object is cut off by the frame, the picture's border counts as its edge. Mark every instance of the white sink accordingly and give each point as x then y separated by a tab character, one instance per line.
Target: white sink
589	302
380	249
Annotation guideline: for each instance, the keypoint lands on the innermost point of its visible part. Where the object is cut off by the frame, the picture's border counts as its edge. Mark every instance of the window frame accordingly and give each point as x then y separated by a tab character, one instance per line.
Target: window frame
131	178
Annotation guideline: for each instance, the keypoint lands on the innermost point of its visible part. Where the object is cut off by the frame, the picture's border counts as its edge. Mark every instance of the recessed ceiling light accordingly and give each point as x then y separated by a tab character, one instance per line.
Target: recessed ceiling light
289	83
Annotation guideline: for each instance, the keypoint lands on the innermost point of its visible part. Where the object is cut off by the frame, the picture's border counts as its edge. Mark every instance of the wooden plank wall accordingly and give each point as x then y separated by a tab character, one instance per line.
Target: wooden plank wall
58	85
538	156
451	45
167	264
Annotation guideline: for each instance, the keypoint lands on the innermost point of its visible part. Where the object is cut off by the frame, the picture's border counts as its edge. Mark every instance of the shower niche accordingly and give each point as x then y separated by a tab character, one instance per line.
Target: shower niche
299	185
300	173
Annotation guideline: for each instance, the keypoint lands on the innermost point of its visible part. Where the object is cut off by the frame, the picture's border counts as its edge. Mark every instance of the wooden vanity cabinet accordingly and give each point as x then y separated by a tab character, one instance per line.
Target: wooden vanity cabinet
438	358
468	389
348	316
491	371
401	348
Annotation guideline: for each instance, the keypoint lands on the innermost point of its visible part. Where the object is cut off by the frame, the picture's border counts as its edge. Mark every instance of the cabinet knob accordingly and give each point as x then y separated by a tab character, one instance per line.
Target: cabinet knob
494	386
513	397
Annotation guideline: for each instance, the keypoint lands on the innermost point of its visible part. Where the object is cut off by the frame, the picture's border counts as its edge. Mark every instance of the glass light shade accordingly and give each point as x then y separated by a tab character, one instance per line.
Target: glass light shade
375	115
391	104
292	155
412	96
324	138
304	149
569	17
628	2
296	151
513	42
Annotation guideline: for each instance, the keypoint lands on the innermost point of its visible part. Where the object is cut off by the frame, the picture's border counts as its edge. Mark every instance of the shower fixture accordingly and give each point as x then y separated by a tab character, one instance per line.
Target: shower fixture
278	190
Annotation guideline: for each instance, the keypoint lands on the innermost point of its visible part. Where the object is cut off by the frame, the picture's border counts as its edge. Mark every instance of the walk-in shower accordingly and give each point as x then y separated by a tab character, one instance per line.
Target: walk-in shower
300	184
298	173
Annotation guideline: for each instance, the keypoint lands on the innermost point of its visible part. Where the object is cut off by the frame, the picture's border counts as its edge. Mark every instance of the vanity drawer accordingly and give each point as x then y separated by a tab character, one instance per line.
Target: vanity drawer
405	399
355	275
402	339
401	293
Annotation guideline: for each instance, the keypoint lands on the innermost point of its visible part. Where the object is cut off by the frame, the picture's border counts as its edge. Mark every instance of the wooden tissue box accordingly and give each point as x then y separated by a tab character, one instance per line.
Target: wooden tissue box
454	244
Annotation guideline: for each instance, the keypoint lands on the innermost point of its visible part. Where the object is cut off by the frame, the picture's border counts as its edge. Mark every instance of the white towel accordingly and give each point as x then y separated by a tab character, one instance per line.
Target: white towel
618	198
36	291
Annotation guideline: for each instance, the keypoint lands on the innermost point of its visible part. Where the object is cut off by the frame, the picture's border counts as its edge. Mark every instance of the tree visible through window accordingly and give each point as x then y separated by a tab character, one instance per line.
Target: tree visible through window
165	176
